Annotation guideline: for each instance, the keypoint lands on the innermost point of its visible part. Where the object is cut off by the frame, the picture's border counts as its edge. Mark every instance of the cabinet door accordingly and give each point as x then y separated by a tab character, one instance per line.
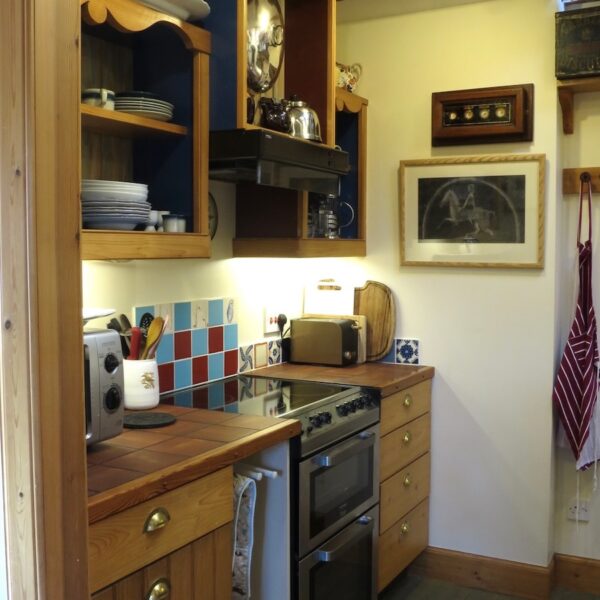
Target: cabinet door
199	571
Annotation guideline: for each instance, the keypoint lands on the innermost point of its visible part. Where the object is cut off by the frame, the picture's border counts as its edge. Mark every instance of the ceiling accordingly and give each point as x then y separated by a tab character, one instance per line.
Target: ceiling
360	10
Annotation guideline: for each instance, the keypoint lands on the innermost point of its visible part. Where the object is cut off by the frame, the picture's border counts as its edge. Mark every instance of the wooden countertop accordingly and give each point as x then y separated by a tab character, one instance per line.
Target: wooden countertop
140	464
388	378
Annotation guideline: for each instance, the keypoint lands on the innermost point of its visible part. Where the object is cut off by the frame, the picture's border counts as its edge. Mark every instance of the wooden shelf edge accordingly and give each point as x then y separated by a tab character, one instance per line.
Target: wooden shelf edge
349	102
124	124
571	181
297	247
567	88
131	245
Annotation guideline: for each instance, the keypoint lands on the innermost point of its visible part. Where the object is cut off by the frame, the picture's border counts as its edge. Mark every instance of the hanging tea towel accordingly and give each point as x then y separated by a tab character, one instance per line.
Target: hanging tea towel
244	500
575	388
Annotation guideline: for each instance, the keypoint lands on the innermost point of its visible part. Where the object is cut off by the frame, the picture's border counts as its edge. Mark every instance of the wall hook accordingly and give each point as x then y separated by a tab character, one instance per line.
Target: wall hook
585	177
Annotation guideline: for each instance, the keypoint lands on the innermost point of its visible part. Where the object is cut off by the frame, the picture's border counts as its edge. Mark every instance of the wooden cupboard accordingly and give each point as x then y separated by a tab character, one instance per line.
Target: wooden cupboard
404	479
128	46
178	541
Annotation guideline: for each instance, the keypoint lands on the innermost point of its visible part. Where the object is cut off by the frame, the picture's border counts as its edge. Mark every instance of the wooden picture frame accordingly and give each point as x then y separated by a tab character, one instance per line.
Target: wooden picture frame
473	211
483	115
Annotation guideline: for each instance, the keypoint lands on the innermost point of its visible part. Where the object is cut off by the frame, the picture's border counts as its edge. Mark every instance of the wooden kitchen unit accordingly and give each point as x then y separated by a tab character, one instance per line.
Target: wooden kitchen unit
161	504
404	451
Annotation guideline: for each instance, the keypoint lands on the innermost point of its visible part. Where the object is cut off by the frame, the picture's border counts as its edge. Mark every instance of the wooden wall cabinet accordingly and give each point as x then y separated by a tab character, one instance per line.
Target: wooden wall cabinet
128	46
179	541
404	477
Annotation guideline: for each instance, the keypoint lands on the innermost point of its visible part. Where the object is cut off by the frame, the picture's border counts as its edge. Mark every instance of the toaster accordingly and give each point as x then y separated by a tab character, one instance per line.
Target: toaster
103	381
324	341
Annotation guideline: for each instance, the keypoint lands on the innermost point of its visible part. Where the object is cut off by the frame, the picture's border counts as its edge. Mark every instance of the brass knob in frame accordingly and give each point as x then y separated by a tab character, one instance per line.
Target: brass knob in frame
407	480
158	519
404	528
160	590
407	437
407	401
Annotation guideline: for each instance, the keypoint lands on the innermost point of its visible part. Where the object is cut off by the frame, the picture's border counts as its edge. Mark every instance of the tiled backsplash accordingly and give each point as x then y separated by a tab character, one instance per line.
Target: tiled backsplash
200	343
403	352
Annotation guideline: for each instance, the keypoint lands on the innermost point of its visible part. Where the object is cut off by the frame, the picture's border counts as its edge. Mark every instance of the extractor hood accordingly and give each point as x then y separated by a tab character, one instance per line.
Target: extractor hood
269	158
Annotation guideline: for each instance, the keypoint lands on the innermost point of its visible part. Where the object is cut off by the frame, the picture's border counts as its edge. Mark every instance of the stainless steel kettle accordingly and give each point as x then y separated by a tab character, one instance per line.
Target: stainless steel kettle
304	121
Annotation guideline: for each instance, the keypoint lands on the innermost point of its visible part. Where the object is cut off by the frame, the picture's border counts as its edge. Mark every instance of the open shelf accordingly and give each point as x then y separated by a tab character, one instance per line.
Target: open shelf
101	244
567	88
123	124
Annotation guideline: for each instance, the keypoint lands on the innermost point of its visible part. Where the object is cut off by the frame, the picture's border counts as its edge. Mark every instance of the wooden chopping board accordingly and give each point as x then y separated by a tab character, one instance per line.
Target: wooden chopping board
375	301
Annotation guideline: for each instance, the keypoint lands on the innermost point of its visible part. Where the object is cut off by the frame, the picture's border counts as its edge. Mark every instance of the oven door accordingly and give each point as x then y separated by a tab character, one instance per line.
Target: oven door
337	485
345	566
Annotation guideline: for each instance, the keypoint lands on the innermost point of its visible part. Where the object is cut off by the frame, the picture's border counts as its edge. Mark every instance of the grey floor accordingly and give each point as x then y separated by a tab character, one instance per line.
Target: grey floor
409	587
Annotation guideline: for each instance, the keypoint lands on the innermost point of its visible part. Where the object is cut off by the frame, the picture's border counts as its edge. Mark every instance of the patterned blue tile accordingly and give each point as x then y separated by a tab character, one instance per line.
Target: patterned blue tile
199	342
229	313
215	312
274	352
407	351
230	336
183	316
390	357
215	366
165	351
183	373
246	358
140	310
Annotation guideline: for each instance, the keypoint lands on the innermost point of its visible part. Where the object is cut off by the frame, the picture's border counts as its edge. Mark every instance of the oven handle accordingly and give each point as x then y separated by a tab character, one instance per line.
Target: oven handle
364	439
361	527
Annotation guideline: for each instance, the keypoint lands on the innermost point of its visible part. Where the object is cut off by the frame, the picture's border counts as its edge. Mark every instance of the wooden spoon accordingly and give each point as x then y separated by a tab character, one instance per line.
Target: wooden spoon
154	332
154	347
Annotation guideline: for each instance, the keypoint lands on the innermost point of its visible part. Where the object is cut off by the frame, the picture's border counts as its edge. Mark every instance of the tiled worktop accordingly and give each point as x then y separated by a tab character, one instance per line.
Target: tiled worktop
141	464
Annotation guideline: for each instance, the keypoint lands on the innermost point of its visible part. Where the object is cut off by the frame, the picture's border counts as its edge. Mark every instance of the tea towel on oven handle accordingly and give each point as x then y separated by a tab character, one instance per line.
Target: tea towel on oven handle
244	501
576	383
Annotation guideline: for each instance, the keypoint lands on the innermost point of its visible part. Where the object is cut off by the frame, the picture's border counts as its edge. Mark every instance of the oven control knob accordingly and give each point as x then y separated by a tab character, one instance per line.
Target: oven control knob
362	402
112	399
325	417
111	362
352	406
309	429
315	421
341	410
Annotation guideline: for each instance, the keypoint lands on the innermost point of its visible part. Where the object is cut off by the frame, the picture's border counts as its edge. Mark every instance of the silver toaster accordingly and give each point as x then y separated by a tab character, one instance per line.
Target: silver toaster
103	384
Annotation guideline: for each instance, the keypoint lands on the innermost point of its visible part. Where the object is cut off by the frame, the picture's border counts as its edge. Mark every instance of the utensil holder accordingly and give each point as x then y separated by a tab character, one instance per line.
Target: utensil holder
141	384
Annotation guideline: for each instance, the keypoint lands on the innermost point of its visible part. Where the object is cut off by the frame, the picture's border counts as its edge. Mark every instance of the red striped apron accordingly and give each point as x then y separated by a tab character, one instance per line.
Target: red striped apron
575	387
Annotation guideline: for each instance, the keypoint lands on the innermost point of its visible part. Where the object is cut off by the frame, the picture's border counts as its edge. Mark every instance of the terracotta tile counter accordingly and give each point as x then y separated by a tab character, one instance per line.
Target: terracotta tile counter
140	464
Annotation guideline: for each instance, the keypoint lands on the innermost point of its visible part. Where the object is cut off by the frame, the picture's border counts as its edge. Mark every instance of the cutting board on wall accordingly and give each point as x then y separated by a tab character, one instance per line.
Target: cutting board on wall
375	301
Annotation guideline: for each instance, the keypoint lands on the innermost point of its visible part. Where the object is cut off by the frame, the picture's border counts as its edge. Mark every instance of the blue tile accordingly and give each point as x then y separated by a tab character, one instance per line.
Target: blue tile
215	366
407	351
183	373
183	316
390	357
165	349
230	337
231	408
216	395
215	312
185	399
199	342
140	310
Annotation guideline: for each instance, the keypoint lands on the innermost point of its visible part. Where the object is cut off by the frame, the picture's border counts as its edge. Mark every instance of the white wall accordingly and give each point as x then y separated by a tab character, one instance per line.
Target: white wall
493	335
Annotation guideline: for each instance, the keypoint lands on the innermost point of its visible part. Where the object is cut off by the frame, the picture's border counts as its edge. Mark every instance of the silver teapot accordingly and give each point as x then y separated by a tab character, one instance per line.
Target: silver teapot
304	121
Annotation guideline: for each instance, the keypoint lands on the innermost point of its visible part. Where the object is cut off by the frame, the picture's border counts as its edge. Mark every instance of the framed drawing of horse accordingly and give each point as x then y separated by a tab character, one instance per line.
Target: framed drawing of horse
473	211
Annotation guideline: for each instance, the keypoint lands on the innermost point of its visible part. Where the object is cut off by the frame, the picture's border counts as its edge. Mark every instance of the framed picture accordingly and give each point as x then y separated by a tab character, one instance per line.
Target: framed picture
483	115
473	211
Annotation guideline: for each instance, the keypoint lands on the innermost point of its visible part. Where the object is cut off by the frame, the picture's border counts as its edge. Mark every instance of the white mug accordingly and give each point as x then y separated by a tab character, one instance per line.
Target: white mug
141	384
171	223
101	97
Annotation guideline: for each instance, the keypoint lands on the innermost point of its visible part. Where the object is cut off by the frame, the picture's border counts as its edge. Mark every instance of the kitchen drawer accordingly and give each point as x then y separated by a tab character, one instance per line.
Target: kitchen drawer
119	545
404	406
403	445
402	543
403	491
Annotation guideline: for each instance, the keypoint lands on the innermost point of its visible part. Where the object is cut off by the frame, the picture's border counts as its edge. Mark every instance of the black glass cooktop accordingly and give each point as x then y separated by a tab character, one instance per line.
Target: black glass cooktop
254	395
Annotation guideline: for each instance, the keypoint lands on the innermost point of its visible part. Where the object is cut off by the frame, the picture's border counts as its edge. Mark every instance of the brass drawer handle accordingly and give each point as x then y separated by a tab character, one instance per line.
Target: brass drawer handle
160	590
404	528
407	401
158	519
407	437
407	480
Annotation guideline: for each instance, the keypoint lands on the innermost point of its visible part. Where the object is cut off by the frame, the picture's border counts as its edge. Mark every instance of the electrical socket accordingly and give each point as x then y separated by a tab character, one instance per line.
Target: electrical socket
584	510
270	322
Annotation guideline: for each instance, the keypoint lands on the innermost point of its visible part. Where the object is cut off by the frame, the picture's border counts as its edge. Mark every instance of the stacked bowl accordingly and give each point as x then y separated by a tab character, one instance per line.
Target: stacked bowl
144	104
114	204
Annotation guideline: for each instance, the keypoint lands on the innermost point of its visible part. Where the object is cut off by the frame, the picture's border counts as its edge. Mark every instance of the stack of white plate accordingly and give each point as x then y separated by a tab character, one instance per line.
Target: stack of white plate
114	204
144	104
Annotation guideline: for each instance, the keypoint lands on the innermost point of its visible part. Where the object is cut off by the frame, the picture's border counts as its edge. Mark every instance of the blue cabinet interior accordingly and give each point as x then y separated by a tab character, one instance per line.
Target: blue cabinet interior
346	136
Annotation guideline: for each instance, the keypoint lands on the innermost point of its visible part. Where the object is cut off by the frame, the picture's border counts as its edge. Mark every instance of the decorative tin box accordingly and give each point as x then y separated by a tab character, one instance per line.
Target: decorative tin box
578	43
